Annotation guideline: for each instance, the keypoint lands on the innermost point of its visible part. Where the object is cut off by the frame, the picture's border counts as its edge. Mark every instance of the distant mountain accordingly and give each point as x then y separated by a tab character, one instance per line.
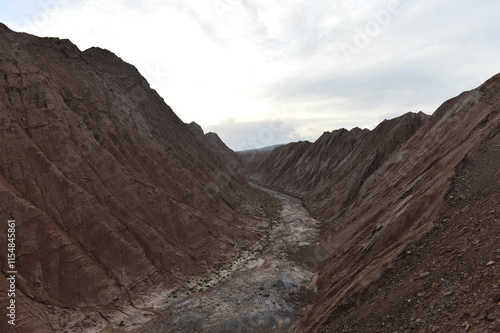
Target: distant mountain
251	158
268	148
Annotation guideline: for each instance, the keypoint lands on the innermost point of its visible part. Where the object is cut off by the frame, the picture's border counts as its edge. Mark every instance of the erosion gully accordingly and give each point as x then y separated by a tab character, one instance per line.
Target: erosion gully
255	295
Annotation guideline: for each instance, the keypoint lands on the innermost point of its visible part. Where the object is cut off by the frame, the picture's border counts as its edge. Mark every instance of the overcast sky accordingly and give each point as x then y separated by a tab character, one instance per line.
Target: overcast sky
265	72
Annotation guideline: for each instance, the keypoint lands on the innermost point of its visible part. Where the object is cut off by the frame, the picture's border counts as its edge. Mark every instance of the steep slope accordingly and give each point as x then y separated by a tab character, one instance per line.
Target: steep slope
335	158
275	164
380	191
448	280
112	193
250	159
216	146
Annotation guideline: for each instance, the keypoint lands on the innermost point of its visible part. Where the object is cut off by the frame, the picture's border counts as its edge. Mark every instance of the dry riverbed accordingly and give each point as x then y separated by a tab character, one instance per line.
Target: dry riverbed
264	290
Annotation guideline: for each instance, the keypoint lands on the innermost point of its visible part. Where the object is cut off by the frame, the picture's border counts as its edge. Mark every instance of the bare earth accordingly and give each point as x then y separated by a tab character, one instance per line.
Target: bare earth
268	294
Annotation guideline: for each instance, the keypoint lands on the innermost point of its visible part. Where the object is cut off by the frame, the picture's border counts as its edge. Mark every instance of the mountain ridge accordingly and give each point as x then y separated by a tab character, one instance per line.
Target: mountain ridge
117	200
113	194
378	192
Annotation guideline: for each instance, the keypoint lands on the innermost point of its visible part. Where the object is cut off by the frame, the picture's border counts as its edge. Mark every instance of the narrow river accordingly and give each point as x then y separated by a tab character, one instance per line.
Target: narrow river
268	294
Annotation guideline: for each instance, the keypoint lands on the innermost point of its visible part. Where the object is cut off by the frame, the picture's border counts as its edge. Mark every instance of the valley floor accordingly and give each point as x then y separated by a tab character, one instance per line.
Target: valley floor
268	294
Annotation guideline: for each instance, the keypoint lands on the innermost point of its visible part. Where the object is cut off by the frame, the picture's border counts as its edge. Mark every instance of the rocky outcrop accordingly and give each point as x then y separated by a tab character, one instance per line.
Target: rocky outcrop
112	193
215	145
379	191
447	281
344	158
251	159
277	166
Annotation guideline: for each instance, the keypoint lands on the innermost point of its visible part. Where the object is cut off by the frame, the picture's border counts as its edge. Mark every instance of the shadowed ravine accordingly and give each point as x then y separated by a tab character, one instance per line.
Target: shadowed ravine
260	296
130	220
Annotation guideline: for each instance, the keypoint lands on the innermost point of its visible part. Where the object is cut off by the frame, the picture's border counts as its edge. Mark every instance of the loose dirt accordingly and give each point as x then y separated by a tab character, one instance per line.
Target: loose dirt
265	291
449	280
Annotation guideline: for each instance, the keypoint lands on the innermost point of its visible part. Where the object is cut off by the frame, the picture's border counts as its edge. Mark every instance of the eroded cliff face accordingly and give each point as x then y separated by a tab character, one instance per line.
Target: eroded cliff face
379	191
112	193
341	158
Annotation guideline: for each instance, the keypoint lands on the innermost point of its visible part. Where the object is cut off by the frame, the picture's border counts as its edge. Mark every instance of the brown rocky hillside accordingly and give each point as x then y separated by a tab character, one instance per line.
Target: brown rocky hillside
112	193
119	204
379	193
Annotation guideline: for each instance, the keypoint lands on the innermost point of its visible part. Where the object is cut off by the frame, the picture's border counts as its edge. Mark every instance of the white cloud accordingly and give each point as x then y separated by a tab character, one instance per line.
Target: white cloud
317	64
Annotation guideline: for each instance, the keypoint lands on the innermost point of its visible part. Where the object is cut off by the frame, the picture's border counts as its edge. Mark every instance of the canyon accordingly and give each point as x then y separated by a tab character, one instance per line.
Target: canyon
130	220
112	193
380	192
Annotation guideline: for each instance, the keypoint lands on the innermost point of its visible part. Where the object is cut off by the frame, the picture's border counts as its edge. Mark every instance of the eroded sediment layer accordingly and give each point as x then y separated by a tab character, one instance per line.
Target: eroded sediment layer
112	193
379	191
